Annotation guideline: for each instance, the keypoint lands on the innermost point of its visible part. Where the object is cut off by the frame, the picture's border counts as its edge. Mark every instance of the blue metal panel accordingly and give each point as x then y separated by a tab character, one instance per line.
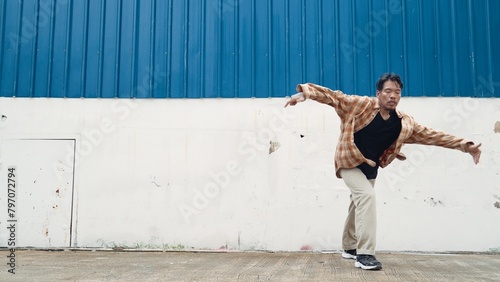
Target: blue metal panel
490	81
10	31
160	49
278	70
415	46
464	64
211	42
362	33
110	50
24	74
194	47
246	57
261	49
295	45
246	48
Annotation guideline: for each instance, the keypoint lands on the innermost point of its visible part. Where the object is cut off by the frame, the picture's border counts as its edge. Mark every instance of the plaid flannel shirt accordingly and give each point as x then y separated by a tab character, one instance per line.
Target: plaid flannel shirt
356	112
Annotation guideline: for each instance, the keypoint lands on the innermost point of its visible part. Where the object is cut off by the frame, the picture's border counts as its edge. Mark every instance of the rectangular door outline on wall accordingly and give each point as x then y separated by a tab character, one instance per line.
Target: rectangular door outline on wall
41	203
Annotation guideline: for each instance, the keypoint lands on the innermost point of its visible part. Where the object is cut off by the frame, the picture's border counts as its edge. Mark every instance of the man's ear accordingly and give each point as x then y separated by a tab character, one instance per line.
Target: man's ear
378	93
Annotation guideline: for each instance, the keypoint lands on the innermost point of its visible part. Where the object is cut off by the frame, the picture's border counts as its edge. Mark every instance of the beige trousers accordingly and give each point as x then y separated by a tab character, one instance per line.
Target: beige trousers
360	229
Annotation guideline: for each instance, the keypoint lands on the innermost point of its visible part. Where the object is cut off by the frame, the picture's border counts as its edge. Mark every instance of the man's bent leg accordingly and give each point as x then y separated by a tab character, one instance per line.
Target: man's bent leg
349	241
363	198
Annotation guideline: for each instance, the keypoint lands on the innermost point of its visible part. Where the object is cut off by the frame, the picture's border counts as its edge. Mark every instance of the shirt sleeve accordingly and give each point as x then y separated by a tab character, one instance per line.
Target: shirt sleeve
427	136
337	99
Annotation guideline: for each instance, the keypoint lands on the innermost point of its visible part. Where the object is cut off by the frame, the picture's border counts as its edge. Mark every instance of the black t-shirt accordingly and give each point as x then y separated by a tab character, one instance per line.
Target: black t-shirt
375	138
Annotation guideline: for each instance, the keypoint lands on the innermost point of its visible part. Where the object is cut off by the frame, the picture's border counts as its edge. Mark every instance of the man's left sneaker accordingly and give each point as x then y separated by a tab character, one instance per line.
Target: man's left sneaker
367	262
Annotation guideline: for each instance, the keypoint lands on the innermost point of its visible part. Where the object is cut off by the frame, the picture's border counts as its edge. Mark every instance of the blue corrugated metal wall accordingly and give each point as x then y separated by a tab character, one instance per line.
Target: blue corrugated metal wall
246	48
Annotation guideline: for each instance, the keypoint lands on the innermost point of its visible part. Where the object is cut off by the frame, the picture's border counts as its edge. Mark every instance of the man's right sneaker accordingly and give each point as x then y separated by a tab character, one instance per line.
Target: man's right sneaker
367	262
349	254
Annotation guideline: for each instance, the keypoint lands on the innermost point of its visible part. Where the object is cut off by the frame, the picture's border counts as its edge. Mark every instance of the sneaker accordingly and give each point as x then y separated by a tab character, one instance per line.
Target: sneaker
367	262
349	254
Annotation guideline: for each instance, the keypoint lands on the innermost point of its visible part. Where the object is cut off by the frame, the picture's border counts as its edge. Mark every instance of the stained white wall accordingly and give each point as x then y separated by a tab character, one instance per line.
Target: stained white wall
247	174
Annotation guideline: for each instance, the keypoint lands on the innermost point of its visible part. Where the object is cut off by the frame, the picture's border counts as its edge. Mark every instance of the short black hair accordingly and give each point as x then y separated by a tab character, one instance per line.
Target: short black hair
388	76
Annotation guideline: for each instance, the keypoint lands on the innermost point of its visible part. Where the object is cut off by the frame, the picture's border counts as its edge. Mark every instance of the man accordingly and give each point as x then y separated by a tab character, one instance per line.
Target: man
372	134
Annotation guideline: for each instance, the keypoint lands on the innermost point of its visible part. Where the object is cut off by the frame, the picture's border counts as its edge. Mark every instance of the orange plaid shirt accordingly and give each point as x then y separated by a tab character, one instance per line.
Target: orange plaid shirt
356	112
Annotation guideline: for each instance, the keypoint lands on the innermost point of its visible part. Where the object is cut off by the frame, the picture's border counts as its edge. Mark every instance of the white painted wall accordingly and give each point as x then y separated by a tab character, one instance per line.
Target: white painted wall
199	174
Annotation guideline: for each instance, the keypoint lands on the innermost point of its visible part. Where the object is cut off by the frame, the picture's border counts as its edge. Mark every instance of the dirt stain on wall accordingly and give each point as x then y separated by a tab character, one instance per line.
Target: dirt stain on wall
497	127
273	146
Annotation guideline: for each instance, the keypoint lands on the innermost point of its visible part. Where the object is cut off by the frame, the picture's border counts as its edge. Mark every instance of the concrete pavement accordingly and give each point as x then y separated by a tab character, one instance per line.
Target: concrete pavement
97	265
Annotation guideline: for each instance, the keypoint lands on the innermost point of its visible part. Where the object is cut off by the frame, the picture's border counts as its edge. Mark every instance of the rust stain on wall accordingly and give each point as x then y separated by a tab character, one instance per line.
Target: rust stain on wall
497	127
274	146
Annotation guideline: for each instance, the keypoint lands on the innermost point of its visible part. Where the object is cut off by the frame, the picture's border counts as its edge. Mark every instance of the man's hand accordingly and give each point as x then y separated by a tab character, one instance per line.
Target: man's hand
475	152
296	98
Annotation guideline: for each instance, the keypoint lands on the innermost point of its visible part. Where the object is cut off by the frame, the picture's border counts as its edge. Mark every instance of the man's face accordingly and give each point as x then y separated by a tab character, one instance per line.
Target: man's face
389	96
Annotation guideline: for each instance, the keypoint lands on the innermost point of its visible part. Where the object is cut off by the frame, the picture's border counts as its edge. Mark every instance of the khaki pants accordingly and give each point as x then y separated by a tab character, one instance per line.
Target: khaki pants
360	229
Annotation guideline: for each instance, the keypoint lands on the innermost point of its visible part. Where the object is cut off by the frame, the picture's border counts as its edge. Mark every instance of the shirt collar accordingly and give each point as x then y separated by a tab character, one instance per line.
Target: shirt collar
400	114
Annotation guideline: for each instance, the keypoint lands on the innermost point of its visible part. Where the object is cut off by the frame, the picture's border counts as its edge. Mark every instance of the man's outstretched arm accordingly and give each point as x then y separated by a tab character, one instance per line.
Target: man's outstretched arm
427	136
296	98
475	152
341	102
